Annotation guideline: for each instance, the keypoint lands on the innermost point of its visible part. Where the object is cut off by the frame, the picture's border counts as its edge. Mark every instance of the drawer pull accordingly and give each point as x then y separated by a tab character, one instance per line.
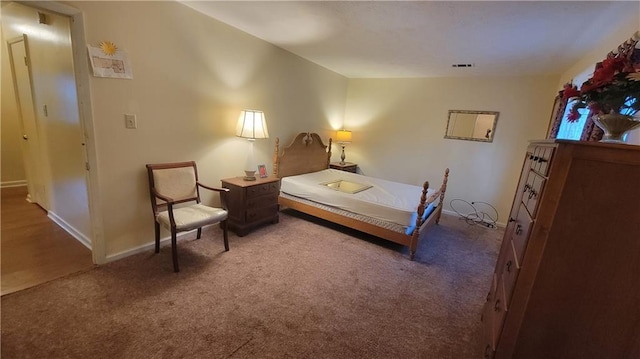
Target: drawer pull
497	306
509	264
487	351
511	220
532	194
518	229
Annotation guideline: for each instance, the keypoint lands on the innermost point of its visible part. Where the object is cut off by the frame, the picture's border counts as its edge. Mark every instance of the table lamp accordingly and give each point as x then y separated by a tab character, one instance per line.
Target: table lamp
343	137
251	125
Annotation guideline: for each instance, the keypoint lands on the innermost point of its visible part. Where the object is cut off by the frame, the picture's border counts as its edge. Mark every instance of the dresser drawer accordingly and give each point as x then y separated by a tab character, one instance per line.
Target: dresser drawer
262	201
499	310
532	192
509	275
489	338
263	189
520	233
256	214
540	158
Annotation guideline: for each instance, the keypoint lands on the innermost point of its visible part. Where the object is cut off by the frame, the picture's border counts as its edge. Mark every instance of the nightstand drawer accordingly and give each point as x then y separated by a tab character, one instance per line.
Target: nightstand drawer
256	214
262	201
263	189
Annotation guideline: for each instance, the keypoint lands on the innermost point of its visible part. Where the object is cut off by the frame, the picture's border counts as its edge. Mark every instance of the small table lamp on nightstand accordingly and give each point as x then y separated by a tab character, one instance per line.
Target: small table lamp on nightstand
343	137
251	125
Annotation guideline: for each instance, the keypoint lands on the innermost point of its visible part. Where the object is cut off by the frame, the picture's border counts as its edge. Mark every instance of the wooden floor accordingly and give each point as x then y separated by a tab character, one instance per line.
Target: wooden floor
34	249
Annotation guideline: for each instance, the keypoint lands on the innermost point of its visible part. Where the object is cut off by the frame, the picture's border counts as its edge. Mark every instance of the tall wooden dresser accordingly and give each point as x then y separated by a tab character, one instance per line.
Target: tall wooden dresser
567	279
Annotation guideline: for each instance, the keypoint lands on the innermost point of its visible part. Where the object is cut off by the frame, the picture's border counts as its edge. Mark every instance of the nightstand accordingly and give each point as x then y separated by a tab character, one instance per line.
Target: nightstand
347	166
251	203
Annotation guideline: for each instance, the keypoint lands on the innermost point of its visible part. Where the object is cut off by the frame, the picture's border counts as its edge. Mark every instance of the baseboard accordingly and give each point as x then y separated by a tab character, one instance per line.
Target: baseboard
143	248
149	247
453	213
7	184
70	229
446	211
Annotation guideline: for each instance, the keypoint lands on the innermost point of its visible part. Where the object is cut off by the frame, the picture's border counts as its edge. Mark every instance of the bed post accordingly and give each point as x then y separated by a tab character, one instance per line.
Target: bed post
275	157
329	153
443	189
413	246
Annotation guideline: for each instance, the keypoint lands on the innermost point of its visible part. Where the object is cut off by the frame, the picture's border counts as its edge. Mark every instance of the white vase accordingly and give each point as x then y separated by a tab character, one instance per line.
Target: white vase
615	126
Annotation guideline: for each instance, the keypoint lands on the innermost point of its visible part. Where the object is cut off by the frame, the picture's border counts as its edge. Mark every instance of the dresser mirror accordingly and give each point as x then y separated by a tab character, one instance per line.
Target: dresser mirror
472	125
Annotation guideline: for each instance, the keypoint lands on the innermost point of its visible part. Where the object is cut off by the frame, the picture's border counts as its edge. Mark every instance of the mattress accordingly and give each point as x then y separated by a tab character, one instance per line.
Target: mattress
384	200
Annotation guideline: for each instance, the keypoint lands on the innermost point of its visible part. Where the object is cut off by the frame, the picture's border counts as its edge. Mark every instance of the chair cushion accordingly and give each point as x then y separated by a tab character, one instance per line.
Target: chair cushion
192	217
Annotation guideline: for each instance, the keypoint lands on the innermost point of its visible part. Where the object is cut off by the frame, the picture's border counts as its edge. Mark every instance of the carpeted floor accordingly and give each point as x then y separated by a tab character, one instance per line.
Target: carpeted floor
292	290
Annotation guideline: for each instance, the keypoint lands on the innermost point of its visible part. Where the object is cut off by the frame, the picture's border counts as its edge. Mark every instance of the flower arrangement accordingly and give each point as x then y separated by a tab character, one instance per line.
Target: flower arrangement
614	87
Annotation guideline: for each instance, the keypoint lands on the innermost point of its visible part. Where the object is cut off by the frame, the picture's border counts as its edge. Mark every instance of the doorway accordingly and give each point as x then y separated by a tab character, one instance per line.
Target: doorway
54	138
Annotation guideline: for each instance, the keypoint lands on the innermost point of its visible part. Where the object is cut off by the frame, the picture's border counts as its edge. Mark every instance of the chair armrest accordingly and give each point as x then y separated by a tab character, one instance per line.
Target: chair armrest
217	189
162	197
223	193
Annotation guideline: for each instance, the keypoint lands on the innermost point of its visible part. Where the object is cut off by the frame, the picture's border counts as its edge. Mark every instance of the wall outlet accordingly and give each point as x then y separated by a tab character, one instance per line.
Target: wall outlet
130	121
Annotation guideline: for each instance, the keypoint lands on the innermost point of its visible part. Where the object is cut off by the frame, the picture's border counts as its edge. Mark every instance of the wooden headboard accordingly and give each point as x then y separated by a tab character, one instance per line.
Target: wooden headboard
305	154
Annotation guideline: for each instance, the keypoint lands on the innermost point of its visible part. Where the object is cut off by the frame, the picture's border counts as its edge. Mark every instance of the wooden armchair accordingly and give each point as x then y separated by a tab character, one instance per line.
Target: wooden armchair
172	184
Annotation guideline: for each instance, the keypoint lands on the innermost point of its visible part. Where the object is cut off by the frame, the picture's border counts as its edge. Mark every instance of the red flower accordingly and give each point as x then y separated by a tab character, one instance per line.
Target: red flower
614	86
569	91
605	71
573	116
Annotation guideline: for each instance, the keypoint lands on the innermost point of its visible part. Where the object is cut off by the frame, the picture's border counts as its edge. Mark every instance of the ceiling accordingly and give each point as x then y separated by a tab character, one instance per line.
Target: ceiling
382	39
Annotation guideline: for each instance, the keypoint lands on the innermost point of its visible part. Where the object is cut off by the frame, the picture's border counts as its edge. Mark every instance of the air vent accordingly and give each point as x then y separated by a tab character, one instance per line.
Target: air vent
463	65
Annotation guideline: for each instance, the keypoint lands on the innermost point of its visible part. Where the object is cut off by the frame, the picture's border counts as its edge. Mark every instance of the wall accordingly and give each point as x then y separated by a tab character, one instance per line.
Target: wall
399	125
191	77
59	130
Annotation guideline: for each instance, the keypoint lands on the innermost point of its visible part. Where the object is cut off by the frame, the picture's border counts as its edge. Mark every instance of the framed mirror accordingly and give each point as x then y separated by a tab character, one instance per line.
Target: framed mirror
472	125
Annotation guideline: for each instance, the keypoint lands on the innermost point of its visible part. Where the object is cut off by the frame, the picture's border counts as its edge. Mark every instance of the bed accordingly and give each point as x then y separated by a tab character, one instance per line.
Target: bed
393	211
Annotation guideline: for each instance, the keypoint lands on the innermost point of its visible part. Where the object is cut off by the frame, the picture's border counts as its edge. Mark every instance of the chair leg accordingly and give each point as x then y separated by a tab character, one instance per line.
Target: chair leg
225	234
157	226
199	233
174	251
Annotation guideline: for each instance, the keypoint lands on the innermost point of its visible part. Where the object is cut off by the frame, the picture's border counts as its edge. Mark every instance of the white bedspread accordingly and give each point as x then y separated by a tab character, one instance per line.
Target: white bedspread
387	201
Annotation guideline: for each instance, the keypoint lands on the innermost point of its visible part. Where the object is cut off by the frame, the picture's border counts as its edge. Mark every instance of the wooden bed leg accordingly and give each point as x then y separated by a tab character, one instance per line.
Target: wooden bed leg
443	189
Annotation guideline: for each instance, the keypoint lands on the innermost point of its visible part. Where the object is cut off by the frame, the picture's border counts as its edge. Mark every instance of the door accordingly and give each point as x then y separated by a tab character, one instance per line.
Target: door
30	145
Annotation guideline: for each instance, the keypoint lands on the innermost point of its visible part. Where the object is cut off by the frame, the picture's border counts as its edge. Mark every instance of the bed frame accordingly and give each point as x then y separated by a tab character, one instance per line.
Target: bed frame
308	154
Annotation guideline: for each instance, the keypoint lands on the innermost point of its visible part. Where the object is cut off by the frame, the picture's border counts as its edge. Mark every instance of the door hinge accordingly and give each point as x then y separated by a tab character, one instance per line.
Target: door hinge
26	62
86	165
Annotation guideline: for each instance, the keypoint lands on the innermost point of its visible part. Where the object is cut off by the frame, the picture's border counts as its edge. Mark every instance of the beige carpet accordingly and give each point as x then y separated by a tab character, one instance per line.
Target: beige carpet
292	290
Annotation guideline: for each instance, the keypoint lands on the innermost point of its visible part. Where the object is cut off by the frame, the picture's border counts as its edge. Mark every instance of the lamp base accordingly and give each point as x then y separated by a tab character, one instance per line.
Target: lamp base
249	176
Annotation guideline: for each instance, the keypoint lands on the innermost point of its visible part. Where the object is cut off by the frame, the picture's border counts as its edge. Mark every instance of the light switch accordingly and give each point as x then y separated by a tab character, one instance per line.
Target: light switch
130	121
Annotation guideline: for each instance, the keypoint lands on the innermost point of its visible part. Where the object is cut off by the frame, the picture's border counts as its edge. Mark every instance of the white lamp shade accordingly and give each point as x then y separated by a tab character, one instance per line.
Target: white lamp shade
343	136
252	124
